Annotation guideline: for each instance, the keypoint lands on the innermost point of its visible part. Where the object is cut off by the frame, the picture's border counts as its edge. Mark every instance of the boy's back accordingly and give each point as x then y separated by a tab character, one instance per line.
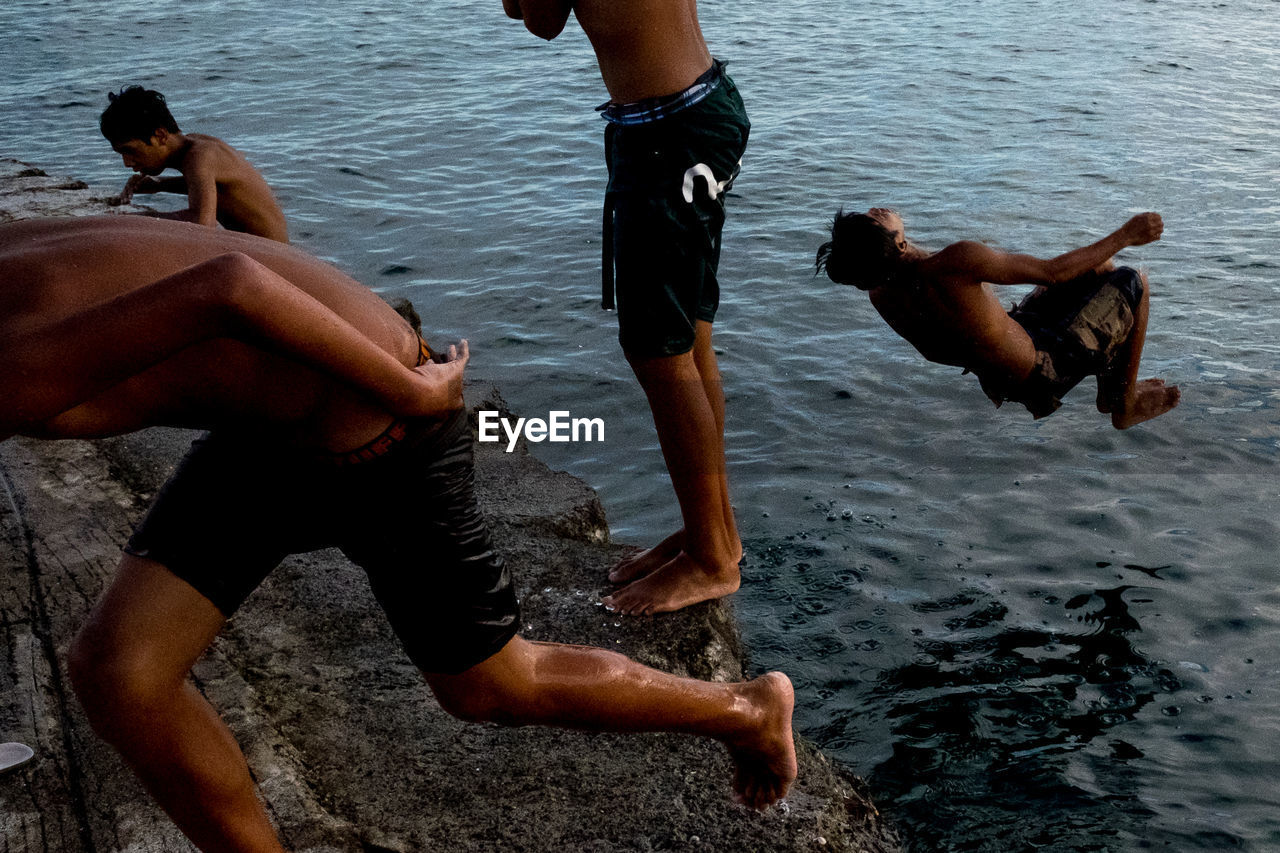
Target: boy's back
53	270
242	199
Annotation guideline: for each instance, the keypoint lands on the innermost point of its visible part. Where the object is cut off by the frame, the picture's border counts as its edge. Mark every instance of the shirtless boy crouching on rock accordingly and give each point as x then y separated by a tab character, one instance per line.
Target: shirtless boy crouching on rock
221	186
329	426
1087	318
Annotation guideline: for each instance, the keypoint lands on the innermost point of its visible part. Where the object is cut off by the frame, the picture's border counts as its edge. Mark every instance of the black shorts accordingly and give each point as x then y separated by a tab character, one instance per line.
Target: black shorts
1078	328
667	184
236	507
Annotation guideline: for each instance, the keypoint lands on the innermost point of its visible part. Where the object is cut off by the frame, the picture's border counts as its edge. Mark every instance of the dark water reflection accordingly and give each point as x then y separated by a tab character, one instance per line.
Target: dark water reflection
985	727
1000	712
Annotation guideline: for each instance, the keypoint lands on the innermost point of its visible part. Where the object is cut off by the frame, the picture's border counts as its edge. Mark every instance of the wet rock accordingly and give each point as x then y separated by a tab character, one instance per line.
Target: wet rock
27	192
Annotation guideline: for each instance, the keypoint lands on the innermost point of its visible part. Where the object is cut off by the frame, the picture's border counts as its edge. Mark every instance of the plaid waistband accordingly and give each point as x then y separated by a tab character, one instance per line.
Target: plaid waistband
656	109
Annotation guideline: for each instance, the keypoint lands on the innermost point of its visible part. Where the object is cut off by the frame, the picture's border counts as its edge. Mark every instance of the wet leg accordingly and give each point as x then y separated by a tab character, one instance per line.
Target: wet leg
649	560
598	690
707	565
130	666
1129	401
709	369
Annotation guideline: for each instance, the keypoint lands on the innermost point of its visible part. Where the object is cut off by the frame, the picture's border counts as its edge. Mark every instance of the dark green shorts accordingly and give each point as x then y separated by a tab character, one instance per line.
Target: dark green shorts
667	184
406	514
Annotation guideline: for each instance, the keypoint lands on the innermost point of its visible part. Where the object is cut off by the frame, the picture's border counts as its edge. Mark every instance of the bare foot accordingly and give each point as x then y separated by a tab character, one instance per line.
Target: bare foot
765	758
680	582
1151	399
649	560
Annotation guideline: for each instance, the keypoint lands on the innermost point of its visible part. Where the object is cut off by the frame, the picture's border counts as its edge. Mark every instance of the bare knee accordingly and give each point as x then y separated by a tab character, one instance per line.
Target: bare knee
232	280
116	685
489	694
482	700
234	266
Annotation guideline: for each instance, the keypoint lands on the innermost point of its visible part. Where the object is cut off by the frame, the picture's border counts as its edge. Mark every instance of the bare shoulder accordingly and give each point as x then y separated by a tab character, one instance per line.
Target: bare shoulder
959	263
963	251
207	143
211	152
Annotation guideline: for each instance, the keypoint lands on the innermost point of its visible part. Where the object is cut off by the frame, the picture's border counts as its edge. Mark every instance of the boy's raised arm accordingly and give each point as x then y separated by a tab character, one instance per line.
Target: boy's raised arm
976	261
544	18
147	184
199	183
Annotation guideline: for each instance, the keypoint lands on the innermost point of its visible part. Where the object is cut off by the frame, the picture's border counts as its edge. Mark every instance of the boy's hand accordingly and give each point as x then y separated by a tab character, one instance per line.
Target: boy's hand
1143	228
445	377
137	184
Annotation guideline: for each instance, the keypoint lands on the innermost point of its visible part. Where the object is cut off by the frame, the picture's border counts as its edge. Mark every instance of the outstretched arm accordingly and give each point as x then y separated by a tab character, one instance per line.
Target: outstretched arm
544	18
198	181
146	184
53	368
975	260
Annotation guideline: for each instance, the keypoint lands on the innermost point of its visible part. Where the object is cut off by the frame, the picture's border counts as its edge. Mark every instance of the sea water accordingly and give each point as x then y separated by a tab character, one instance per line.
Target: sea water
1027	635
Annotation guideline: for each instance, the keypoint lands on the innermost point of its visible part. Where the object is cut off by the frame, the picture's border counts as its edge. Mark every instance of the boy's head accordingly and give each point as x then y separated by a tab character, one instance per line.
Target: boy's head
139	127
864	249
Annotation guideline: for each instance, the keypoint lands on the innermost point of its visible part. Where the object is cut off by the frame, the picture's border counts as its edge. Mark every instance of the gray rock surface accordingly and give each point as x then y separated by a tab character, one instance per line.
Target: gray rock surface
348	748
27	192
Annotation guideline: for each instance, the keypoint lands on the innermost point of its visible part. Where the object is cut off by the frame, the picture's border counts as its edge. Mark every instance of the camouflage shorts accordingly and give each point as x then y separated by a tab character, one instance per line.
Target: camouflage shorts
1078	328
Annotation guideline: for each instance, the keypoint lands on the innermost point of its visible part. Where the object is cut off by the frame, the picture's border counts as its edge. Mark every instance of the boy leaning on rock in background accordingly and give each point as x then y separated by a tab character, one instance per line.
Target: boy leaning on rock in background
220	184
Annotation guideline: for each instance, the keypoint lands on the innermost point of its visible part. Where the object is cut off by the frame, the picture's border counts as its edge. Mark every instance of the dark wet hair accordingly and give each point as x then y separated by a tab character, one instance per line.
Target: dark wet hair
860	253
135	113
405	309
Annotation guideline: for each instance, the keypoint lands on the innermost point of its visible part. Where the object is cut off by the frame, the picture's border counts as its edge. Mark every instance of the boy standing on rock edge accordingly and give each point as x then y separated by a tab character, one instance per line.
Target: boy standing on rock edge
329	426
674	140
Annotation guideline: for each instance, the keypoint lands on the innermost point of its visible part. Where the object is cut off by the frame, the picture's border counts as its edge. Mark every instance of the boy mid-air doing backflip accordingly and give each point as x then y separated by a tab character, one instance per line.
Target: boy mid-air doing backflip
1087	317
